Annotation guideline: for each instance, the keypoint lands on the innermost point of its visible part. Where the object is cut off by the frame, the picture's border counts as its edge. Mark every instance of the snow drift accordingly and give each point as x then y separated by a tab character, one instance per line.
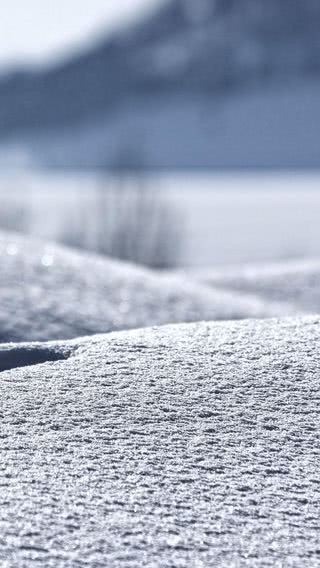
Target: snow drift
51	292
189	445
295	282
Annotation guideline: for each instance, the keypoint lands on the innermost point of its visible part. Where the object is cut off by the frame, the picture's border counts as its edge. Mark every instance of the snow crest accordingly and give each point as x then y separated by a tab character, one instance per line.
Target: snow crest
189	445
49	292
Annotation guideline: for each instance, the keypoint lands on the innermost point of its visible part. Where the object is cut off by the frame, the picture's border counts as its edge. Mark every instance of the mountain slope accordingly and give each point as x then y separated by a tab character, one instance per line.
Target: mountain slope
197	50
179	48
275	127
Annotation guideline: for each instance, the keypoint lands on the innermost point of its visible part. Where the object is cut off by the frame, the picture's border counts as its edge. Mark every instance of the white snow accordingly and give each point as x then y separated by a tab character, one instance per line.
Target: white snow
296	283
221	218
194	444
188	445
50	292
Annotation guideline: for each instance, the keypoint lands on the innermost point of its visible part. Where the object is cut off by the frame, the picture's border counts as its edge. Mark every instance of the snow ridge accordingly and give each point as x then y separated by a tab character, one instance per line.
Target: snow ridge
49	292
187	445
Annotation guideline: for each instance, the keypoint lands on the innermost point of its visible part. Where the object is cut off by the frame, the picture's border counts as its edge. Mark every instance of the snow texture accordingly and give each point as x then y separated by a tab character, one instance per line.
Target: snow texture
49	292
191	445
296	283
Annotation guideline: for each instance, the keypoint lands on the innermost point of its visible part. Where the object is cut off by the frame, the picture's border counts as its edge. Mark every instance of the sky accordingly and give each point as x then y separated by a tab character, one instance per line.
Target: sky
42	30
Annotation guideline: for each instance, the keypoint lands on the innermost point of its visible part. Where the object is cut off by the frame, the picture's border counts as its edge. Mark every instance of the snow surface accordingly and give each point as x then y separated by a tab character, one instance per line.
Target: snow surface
189	445
50	292
296	283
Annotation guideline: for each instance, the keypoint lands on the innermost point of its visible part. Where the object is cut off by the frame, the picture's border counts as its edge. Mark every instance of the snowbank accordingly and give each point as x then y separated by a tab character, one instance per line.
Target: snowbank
50	292
188	445
296	283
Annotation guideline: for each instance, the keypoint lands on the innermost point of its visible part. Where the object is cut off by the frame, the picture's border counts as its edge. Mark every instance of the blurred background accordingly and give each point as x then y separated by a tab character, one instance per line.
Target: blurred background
171	133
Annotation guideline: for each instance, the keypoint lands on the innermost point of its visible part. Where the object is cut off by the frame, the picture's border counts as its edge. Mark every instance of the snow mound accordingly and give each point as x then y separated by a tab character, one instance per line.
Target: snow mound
187	445
50	292
296	283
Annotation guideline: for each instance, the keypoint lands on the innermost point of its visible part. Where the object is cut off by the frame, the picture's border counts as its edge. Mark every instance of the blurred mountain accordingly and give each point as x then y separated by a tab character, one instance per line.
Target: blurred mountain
176	70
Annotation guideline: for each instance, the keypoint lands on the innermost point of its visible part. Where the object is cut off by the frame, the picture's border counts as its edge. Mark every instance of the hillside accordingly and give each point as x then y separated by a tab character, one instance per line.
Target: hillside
200	52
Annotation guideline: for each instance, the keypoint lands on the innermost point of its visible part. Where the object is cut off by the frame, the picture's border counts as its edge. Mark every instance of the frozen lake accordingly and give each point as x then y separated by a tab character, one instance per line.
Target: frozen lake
226	218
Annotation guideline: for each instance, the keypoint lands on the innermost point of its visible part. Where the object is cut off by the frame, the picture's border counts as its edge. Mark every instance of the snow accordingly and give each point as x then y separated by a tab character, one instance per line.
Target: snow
187	445
296	283
49	292
223	218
